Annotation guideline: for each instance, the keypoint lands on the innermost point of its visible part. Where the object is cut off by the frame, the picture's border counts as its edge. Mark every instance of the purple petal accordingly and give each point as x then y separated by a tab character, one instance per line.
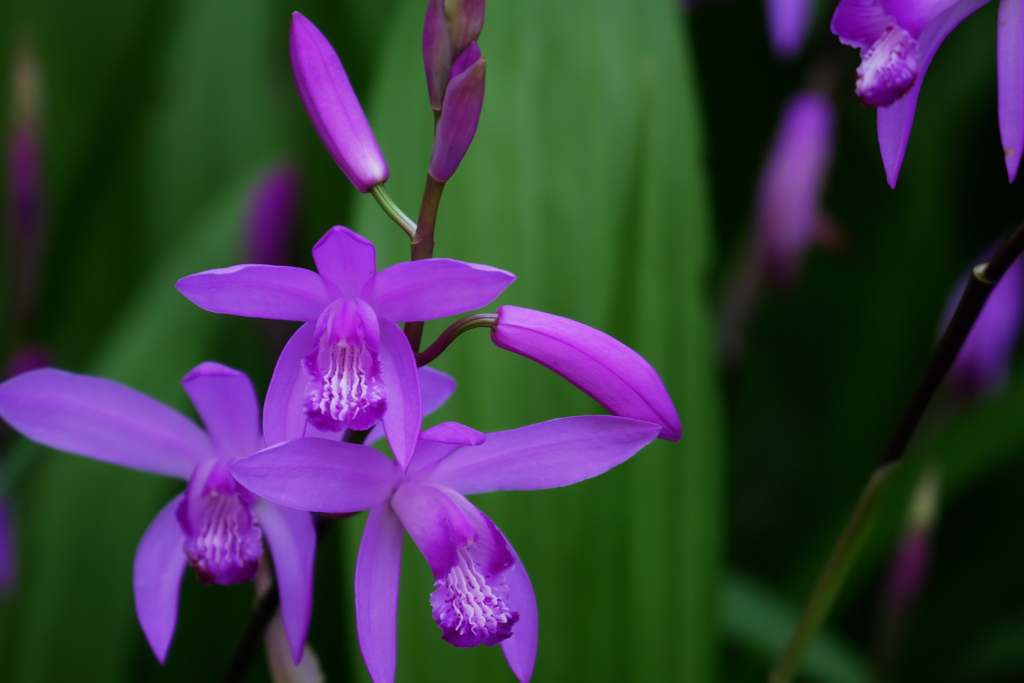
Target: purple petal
435	522
610	372
333	107
466	20
788	21
319	475
378	571
255	291
404	415
271	218
159	564
859	23
103	420
284	417
291	536
545	455
435	387
915	15
454	433
521	649
463	101
414	291
1010	73
437	52
345	259
227	404
896	120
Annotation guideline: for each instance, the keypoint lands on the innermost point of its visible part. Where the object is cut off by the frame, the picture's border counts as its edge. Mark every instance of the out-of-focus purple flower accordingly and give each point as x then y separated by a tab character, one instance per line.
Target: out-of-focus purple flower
482	594
333	107
792	180
449	28
899	38
271	216
604	368
26	358
788	21
216	525
984	361
8	549
457	124
359	367
280	661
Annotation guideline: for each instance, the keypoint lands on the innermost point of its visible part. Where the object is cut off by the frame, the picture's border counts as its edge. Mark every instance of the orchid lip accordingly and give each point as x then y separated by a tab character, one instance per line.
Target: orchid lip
888	68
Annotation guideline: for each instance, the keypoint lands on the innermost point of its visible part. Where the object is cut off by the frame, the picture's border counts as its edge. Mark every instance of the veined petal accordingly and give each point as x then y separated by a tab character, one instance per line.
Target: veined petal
291	536
914	15
404	415
226	402
607	370
896	120
345	259
545	455
378	571
521	649
255	291
434	288
435	387
159	564
1010	74
319	475
859	23
103	420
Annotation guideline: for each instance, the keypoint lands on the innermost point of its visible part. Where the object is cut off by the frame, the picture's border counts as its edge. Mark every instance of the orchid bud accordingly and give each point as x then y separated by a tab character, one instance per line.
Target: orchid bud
601	366
271	216
788	209
333	107
983	364
437	52
463	101
465	21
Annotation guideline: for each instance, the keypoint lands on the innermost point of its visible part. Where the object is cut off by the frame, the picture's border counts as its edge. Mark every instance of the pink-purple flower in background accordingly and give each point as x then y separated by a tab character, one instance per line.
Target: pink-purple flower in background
482	594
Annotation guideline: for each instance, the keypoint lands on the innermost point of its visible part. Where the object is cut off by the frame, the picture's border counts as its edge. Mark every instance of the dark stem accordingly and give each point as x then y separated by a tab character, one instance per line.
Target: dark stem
453	331
423	245
267	606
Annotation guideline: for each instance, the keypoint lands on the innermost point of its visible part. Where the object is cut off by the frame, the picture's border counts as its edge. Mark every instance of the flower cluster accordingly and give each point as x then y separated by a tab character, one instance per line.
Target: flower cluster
347	377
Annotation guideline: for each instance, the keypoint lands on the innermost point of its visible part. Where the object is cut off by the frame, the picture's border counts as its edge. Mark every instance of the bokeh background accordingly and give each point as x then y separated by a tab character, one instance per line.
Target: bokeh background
614	172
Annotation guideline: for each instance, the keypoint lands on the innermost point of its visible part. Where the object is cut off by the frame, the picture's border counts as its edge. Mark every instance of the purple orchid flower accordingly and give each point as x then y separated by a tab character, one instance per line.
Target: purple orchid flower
482	594
899	38
600	365
215	525
271	216
333	107
358	364
788	21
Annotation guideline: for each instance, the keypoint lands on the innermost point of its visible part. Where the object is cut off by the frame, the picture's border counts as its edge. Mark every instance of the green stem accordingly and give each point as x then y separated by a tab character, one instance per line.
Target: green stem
392	210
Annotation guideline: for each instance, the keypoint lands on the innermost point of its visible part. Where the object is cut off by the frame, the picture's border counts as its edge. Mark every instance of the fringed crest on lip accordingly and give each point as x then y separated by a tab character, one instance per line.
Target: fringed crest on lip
470	606
222	542
888	68
345	388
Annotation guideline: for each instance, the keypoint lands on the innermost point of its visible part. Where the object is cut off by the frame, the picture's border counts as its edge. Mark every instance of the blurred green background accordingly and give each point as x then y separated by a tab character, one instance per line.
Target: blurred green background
613	172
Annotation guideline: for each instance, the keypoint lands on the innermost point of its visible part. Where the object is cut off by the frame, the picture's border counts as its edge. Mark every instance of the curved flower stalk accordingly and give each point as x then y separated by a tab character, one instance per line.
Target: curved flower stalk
358	365
215	525
333	107
482	593
899	38
600	365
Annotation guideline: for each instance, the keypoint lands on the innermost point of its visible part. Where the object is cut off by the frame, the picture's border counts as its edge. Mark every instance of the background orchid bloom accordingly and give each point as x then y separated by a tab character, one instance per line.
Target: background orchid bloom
215	524
358	363
482	593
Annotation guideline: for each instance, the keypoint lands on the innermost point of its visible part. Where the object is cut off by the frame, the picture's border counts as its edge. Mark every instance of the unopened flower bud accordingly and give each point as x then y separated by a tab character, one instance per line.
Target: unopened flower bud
333	107
601	366
460	116
437	52
465	21
271	216
789	194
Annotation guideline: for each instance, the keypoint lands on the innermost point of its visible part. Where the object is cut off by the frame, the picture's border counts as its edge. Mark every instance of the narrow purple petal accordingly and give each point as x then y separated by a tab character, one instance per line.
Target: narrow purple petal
607	370
896	120
404	416
318	475
271	217
103	420
333	107
788	21
292	540
284	417
159	564
435	522
521	649
414	291
915	15
378	571
454	433
256	291
345	259
227	404
1010	74
859	23
435	387
466	20
463	102
545	455
437	52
